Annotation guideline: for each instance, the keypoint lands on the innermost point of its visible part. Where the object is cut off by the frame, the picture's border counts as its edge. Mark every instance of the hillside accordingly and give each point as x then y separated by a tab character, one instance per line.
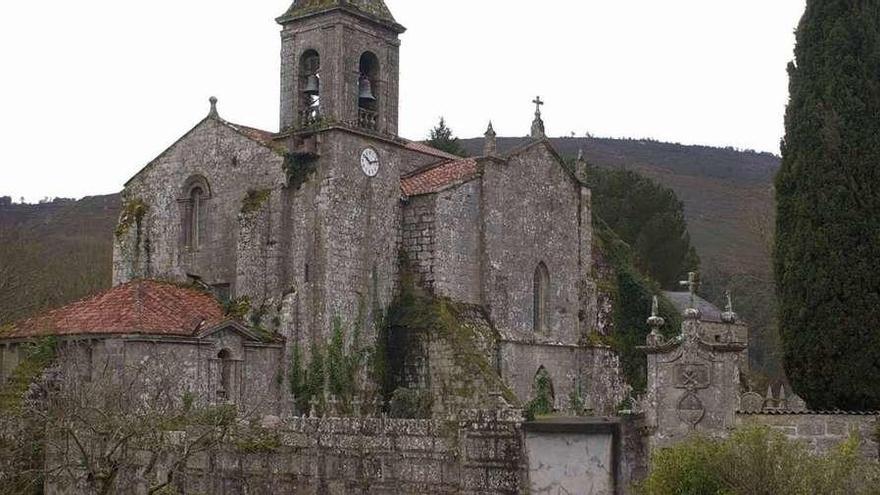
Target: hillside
727	193
54	253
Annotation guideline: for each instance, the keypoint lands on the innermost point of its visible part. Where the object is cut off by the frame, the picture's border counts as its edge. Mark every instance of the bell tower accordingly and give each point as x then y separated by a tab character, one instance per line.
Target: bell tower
340	65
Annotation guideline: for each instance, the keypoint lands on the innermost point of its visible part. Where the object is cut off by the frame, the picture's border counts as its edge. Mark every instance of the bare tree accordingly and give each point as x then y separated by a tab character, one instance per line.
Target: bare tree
102	430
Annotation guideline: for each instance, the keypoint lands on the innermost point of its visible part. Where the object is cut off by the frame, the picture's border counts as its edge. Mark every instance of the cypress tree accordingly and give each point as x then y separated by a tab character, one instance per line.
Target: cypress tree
827	253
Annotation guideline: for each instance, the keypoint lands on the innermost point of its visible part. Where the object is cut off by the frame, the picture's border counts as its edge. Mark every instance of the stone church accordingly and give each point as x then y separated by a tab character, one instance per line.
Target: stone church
319	222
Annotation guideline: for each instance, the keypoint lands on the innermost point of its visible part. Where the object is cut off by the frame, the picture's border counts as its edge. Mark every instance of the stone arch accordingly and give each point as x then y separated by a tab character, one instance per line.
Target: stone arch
195	195
310	87
369	82
541	297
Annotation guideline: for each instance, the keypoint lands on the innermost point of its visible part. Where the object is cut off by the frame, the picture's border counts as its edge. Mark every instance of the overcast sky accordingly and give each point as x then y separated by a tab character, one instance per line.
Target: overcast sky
92	90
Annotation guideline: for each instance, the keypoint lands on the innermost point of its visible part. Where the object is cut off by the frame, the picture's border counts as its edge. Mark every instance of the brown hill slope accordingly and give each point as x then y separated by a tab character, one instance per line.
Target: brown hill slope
54	253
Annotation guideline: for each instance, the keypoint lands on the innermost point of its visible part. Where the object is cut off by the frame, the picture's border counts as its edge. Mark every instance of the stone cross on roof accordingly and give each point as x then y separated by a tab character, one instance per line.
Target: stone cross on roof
538	123
692	283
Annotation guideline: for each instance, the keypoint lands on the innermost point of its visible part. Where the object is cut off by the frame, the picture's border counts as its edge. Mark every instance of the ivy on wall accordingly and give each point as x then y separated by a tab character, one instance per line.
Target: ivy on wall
632	294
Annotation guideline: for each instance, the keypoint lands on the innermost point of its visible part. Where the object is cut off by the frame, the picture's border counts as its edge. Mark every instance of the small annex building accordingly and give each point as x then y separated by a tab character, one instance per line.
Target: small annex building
143	325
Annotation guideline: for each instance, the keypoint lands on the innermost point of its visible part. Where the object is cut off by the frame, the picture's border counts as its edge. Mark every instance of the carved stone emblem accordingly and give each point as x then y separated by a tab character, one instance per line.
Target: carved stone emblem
691	377
691	409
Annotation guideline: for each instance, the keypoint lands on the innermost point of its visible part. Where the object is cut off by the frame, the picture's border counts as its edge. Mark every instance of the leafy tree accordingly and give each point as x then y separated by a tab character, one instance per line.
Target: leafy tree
828	199
442	138
647	216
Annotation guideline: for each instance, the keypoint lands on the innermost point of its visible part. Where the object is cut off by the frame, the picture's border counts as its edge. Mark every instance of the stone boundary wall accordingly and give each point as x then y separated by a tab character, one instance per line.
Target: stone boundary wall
482	452
821	432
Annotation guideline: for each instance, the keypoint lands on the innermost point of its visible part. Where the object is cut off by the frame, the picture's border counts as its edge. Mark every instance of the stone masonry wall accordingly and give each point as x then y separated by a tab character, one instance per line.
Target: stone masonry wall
231	164
821	432
417	238
480	453
339	39
459	243
531	214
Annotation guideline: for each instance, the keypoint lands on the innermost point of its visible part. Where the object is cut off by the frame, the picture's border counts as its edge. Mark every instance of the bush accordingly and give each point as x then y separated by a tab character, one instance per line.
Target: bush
759	461
410	403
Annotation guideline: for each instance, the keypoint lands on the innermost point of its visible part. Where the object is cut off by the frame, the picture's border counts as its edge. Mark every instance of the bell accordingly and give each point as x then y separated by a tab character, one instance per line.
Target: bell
365	89
313	85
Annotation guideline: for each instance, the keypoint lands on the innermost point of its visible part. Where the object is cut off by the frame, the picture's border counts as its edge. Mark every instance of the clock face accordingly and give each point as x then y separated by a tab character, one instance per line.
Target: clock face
370	162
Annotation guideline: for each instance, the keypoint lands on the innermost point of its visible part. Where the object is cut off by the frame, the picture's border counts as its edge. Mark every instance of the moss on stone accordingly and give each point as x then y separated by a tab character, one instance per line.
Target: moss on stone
631	293
254	200
37	356
298	170
444	320
133	211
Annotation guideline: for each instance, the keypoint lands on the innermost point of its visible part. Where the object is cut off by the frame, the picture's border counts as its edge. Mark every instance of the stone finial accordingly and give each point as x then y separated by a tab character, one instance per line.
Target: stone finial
770	401
728	316
333	403
213	113
490	146
692	283
782	402
538	131
655	321
580	166
313	407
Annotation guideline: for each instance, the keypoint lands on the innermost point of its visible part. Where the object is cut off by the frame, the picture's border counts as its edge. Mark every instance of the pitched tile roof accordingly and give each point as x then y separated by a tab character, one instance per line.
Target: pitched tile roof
428	150
141	307
681	301
439	177
265	138
374	8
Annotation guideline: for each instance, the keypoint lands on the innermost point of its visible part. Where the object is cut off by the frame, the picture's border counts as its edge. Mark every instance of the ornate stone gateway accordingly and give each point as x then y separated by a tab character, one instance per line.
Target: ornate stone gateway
692	382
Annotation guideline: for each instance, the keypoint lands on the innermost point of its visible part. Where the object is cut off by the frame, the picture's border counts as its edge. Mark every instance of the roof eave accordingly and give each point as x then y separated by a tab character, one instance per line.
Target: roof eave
391	24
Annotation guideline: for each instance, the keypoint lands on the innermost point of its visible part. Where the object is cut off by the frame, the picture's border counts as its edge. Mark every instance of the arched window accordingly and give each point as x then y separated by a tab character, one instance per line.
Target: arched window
541	293
310	88
195	201
368	91
225	391
196	193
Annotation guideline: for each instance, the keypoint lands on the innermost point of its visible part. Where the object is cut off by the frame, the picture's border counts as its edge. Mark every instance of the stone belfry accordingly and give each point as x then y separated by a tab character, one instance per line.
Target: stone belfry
339	65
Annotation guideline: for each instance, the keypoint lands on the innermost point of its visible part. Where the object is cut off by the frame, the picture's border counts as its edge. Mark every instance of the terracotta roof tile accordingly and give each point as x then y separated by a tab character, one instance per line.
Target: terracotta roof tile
139	307
265	138
437	178
428	150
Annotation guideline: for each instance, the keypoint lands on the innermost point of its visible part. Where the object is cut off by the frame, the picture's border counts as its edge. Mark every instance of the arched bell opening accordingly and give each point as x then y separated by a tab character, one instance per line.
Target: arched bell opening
368	91
310	87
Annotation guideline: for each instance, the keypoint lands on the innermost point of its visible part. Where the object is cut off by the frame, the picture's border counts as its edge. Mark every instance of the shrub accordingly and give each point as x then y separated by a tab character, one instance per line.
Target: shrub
410	403
759	461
